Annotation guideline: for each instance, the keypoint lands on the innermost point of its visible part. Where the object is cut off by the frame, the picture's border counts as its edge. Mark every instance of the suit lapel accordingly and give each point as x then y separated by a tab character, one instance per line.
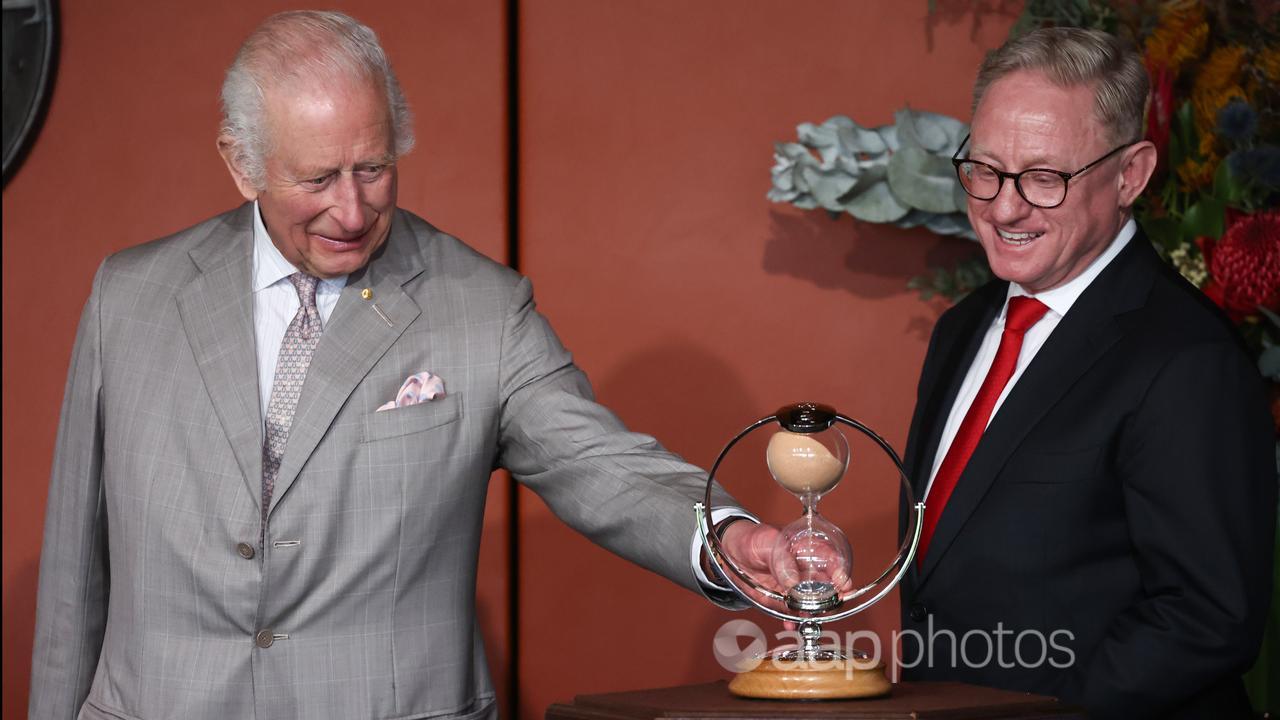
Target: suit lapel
217	314
1083	335
955	349
355	337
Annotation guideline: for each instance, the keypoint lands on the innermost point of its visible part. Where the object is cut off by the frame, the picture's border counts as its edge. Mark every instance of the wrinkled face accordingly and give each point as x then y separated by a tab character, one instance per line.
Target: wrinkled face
1022	122
330	175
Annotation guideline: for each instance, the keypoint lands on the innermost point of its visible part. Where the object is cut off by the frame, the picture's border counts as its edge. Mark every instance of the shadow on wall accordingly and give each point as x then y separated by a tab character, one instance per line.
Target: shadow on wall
868	261
954	11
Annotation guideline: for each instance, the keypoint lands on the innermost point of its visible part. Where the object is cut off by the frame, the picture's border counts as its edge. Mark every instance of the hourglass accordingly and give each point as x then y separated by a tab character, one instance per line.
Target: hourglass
812	561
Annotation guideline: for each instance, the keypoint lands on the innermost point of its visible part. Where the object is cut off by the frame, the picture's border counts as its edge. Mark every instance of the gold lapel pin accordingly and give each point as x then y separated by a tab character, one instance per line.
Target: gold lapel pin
367	294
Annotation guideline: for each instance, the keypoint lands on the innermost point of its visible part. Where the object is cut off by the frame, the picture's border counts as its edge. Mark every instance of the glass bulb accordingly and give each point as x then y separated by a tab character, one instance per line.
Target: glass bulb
814	562
808	465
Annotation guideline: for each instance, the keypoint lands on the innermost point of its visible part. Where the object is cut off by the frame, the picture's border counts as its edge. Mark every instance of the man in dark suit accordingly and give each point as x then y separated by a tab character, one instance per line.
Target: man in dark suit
1092	443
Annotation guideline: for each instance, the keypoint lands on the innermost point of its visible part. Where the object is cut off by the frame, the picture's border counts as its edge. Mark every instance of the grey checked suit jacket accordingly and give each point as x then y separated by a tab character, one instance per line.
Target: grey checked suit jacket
146	610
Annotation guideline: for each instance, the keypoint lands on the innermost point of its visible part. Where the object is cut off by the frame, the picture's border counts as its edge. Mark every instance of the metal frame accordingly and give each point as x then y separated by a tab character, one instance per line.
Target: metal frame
898	568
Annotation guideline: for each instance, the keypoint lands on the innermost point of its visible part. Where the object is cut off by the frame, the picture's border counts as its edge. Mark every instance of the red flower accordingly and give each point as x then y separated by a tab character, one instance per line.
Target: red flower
1160	113
1244	266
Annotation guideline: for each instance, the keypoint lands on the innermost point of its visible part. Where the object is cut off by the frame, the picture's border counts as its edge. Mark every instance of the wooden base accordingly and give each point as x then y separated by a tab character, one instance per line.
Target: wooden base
841	679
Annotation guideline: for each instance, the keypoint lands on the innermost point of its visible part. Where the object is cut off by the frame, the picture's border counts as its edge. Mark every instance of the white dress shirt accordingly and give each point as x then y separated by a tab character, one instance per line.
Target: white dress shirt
275	302
1059	300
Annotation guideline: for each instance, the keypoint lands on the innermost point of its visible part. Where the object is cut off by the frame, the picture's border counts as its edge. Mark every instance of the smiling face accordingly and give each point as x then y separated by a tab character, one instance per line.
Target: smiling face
330	176
1025	121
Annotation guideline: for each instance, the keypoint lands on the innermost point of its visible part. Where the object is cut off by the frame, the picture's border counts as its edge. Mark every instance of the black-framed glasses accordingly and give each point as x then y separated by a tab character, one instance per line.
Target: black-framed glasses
1041	187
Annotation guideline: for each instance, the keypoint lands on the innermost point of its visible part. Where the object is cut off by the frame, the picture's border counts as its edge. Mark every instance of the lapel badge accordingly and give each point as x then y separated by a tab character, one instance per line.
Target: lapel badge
367	294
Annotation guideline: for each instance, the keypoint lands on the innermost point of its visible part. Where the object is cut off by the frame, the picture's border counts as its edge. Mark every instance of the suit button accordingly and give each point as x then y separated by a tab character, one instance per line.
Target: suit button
263	639
918	611
245	550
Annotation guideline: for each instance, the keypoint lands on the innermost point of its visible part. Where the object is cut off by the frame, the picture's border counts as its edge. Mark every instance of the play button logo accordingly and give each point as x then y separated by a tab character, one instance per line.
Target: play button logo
730	650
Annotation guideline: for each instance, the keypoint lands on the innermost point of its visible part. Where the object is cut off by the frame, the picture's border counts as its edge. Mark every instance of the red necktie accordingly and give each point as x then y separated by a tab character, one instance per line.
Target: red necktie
1022	314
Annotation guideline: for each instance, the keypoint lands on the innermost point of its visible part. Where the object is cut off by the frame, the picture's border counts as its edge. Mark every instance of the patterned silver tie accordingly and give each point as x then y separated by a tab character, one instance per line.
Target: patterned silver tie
299	344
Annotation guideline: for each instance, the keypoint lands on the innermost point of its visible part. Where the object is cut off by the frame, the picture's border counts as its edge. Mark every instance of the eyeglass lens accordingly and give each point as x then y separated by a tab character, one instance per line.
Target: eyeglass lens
1038	187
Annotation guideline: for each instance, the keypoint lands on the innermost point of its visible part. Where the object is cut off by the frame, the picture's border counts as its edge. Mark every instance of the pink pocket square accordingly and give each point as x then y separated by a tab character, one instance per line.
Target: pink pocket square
418	388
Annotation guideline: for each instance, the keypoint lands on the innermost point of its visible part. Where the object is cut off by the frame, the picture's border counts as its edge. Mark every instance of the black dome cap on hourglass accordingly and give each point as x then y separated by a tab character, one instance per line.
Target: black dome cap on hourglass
806	417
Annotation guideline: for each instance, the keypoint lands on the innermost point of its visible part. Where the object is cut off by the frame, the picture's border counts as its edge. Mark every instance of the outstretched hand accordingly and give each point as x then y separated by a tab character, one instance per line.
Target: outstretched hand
753	548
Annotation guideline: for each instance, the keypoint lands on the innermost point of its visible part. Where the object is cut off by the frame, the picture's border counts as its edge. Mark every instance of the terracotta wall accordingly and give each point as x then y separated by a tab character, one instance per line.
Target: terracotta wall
646	128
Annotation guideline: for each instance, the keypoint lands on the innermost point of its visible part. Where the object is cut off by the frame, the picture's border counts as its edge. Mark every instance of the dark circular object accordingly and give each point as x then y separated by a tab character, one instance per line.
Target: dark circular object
30	33
806	417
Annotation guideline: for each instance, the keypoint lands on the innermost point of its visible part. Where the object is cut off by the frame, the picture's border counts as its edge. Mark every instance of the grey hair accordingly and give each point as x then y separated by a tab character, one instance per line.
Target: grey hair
295	45
1076	56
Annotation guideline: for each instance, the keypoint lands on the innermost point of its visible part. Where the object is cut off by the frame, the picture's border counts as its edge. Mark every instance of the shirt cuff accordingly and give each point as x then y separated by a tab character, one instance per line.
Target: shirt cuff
718	590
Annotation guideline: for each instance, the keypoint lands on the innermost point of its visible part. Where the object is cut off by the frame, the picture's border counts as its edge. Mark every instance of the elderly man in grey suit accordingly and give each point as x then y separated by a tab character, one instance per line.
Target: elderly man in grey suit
280	423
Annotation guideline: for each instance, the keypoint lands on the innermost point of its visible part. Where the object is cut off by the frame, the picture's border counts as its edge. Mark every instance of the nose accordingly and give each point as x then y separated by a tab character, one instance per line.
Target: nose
1008	206
348	205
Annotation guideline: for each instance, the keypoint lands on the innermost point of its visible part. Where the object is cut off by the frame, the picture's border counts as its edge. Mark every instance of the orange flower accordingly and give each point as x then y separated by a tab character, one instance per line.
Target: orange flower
1180	36
1217	82
1268	62
1197	173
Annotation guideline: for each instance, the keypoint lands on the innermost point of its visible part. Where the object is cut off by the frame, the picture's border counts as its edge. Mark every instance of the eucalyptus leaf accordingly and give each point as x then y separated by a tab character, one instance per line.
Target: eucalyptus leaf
876	205
951	224
854	138
782	176
915	218
889	134
922	180
821	138
936	133
795	152
850	165
827	186
869	176
777	195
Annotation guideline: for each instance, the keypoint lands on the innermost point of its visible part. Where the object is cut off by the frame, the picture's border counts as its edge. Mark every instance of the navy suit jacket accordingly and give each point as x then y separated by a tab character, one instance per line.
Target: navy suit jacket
1110	540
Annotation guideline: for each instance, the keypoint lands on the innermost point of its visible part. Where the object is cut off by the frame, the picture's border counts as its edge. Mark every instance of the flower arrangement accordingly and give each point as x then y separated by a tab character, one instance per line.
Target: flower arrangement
1215	120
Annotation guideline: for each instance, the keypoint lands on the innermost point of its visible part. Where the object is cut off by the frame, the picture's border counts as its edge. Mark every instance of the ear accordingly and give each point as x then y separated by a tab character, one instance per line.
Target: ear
227	149
1138	163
